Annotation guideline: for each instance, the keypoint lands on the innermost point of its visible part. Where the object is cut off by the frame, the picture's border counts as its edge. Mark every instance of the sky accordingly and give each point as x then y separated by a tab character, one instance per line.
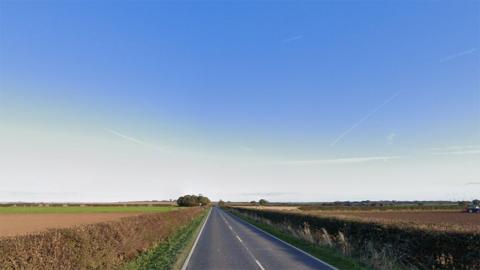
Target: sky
287	101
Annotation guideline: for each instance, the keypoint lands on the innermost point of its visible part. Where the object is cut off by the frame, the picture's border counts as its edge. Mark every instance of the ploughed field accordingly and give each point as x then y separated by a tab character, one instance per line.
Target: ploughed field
449	220
32	219
442	220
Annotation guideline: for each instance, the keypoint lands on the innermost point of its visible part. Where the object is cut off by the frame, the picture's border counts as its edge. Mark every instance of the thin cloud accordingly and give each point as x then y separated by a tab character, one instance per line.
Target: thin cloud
134	140
246	148
365	118
461	152
350	160
454	147
290	39
456	150
472	184
459	54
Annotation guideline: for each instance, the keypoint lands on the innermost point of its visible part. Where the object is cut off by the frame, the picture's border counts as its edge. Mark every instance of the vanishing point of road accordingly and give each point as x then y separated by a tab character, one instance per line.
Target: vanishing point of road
228	243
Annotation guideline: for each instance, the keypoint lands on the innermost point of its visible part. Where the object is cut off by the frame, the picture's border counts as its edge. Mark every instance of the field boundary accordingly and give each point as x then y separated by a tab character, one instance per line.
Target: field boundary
185	264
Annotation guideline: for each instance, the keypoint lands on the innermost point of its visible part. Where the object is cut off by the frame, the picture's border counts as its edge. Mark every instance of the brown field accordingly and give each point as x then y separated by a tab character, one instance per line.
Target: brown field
450	220
432	219
20	224
267	207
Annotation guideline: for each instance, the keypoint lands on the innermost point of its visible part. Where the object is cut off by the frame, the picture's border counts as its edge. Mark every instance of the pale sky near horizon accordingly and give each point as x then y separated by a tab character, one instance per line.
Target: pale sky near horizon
290	101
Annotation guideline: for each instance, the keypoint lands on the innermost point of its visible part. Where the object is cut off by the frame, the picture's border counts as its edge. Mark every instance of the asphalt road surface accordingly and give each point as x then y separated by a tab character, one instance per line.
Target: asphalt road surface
229	243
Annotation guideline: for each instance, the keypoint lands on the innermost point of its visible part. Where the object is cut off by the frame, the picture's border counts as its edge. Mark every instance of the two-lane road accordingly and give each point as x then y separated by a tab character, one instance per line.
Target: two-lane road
229	243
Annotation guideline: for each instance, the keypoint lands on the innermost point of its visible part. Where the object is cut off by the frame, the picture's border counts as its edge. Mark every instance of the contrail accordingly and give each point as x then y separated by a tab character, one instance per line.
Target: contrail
128	138
290	39
453	56
365	118
341	160
137	141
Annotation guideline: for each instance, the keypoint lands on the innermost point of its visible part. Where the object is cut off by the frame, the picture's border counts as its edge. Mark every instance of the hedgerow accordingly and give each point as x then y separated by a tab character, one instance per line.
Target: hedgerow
407	246
105	245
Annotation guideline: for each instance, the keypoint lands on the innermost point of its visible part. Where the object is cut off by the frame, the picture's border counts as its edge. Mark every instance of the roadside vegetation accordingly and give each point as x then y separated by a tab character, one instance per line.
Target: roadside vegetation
106	245
378	245
170	253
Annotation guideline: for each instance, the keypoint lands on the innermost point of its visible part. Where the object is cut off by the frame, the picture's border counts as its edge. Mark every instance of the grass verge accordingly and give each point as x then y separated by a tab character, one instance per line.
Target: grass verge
326	254
171	253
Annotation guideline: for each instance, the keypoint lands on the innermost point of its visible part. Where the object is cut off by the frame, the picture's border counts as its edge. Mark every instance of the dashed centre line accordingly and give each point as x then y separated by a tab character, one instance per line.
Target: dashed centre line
259	264
242	243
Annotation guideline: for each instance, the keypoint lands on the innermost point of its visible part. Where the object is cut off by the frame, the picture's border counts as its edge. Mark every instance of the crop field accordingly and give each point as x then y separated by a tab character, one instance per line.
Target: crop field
442	220
82	209
32	219
449	220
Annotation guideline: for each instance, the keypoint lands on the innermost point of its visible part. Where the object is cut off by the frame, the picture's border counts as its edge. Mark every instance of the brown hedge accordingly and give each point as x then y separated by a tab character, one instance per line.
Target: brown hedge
417	248
105	245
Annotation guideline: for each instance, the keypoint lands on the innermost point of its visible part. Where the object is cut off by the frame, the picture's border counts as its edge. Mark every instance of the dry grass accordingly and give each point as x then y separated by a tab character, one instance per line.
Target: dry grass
105	245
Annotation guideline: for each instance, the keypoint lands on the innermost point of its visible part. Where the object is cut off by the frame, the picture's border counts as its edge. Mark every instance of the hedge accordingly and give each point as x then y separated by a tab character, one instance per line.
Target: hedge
420	248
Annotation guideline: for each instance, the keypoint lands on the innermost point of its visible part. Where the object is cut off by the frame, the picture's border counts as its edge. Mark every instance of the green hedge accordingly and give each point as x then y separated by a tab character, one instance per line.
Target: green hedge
424	249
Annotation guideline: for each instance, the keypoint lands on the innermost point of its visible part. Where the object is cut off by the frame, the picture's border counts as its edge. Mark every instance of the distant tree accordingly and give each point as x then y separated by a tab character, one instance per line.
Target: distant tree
221	203
202	200
253	203
263	202
193	200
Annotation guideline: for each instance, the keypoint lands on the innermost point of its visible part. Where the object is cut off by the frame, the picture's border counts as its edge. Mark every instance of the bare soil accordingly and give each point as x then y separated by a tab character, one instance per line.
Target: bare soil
19	224
435	219
267	207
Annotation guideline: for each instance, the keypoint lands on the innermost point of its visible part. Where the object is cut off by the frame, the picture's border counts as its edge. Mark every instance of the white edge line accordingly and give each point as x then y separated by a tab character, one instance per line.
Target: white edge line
185	264
288	244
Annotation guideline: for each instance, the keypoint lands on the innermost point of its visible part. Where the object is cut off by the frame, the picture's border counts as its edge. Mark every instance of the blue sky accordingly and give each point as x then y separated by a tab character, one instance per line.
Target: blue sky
239	100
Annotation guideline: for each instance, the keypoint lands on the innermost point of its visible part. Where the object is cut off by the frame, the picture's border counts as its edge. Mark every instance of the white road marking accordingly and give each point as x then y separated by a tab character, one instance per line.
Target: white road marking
259	265
288	244
241	242
185	264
